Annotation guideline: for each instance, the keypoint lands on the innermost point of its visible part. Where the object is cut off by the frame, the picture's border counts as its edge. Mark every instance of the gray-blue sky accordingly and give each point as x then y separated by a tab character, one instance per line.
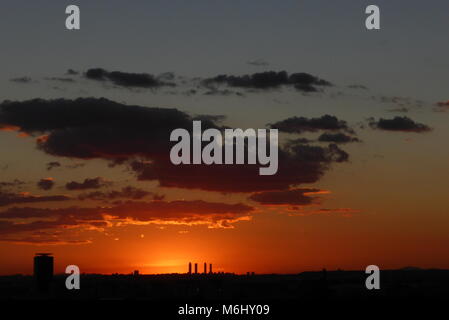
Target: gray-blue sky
208	37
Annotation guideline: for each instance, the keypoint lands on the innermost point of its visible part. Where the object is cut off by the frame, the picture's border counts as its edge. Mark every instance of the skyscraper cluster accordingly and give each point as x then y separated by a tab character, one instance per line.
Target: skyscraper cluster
196	268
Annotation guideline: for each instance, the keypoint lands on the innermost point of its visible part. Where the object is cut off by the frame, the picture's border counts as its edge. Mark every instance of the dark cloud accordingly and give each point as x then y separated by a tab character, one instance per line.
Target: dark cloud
80	214
10	227
126	79
158	197
96	128
34	240
404	124
56	164
72	72
94	183
75	165
297	164
217	118
298	196
166	76
358	86
180	210
302	124
400	109
53	164
269	80
337	138
332	153
399	102
344	211
442	106
226	92
299	141
8	198
9	184
60	79
140	136
45	184
189	92
213	214
128	192
54	218
305	211
22	80
258	63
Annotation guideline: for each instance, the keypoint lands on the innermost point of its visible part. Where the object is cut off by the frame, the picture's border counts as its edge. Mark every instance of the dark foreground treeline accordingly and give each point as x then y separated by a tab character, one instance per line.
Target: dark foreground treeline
316	286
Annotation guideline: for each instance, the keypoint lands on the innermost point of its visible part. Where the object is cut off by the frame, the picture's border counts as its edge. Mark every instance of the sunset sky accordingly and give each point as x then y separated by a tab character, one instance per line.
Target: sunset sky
86	116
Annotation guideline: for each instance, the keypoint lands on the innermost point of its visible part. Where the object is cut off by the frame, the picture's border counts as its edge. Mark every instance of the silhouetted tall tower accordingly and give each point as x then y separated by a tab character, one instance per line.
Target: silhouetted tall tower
196	268
190	267
43	270
210	268
205	267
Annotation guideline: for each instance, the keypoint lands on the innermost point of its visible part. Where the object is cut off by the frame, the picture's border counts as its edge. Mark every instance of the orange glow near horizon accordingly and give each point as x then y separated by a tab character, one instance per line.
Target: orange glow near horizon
285	247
